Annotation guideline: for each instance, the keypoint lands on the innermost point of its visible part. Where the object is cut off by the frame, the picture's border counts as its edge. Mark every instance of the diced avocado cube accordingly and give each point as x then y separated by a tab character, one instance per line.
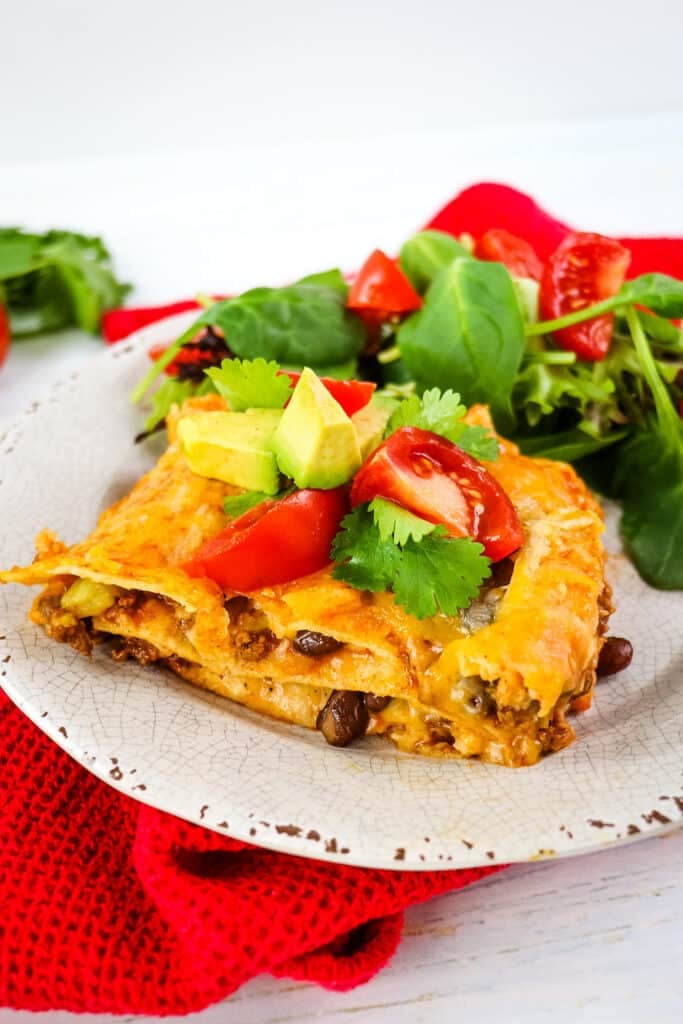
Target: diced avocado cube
315	443
370	422
88	597
234	447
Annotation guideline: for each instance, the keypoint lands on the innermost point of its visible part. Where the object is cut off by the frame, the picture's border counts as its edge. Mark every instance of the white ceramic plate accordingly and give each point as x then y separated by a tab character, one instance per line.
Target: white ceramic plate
212	762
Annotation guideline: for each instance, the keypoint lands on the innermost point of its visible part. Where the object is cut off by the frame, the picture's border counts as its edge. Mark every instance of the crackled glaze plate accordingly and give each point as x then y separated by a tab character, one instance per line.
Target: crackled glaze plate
183	750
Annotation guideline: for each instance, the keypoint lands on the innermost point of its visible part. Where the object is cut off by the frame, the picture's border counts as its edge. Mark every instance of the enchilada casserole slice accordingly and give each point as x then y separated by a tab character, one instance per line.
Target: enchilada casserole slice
494	681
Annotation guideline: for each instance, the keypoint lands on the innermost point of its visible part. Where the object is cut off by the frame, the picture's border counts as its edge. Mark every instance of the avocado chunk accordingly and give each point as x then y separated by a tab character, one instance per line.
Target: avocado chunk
88	597
315	443
233	447
370	422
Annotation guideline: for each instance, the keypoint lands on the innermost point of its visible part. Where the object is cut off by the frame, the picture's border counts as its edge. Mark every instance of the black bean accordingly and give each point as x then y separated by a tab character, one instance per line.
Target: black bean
501	573
236	606
315	645
375	703
615	656
344	717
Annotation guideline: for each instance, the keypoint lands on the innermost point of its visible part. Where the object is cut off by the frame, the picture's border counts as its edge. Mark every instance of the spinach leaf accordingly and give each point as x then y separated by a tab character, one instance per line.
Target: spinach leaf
425	254
648	479
305	324
298	325
659	292
328	279
567	445
665	334
469	336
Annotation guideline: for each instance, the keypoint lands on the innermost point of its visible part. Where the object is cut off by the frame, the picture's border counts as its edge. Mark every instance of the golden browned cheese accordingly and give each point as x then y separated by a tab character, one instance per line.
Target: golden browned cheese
534	649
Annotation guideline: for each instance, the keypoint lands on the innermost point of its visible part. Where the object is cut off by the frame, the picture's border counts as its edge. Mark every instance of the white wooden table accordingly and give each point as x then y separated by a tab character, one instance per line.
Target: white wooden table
591	939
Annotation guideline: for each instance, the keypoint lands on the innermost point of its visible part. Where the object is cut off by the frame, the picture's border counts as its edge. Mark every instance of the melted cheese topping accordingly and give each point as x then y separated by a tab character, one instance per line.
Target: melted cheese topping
539	650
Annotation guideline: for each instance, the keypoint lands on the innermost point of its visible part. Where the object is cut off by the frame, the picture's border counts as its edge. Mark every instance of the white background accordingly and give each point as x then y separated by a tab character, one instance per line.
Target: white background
219	145
84	78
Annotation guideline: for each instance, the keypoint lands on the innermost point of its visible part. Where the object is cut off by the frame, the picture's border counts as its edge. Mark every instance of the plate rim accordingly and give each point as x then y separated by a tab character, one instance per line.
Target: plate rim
276	838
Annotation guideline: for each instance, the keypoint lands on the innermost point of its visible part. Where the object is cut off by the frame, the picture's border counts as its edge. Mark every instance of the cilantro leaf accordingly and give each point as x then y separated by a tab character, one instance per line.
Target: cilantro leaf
442	412
251	384
397	524
235	505
432	574
364	560
439	573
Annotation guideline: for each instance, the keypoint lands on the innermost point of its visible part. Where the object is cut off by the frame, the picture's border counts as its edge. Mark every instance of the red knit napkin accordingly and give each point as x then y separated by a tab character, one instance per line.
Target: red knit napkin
110	906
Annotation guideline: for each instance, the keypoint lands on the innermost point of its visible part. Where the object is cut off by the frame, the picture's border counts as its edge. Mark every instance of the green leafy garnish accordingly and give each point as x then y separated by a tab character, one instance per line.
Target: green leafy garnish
55	280
567	445
329	279
251	384
172	392
235	505
469	334
302	324
435	573
648	478
440	573
661	294
397	524
442	412
425	254
364	560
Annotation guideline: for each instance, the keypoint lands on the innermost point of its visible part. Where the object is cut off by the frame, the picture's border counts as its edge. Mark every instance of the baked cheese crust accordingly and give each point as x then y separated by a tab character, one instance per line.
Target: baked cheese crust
494	682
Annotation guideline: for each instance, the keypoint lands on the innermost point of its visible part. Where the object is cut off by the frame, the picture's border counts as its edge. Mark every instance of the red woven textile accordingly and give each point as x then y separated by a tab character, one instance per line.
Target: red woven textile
109	906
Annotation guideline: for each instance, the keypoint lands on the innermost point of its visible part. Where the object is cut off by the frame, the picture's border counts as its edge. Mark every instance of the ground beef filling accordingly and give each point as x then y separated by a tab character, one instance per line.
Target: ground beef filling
139	650
62	625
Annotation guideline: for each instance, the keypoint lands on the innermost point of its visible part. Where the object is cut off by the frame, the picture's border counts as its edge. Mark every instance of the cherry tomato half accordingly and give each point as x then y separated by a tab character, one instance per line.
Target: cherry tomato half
276	542
352	395
499	246
585	268
4	334
381	290
433	478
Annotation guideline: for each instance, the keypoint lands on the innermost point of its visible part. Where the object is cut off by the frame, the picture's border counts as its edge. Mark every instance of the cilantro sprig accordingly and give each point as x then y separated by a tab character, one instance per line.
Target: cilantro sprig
443	413
432	574
251	384
397	524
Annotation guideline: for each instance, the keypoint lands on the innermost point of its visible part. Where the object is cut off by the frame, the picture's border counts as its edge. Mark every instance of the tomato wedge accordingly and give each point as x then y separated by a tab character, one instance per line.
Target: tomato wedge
381	290
585	268
4	334
433	478
275	542
352	395
519	256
